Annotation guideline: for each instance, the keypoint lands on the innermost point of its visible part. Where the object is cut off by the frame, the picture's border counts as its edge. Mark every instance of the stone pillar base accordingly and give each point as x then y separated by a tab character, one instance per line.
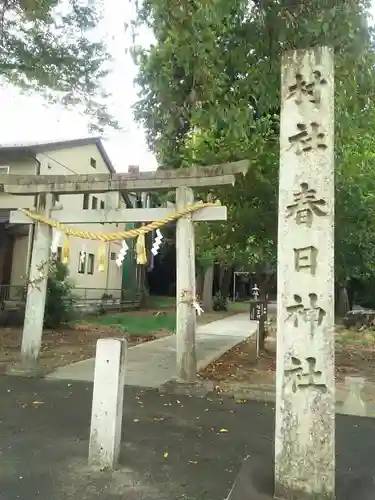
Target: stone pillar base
253	482
25	370
199	389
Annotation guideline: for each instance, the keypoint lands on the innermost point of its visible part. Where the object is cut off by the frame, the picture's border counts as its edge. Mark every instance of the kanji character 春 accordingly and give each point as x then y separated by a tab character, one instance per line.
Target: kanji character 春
307	138
306	205
307	90
306	378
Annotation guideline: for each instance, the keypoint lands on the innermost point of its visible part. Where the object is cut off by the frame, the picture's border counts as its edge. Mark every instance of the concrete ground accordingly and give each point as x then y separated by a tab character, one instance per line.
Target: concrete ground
213	340
172	449
361	403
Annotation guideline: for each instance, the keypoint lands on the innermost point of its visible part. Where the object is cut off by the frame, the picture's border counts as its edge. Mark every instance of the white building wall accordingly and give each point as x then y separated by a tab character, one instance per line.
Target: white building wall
77	160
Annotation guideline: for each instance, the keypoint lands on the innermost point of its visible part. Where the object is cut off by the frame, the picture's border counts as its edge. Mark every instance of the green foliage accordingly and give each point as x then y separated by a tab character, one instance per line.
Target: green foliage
220	303
210	94
59	299
48	46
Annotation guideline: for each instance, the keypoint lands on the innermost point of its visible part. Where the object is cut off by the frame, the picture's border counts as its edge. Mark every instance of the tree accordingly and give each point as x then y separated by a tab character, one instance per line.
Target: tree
47	46
59	298
210	93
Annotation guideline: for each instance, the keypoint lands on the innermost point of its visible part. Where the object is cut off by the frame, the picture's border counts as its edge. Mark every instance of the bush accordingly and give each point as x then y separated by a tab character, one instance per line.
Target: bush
59	299
101	309
220	303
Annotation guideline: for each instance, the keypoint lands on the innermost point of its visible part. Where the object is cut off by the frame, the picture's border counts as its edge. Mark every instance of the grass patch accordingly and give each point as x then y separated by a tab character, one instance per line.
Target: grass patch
161	302
352	338
139	324
239	305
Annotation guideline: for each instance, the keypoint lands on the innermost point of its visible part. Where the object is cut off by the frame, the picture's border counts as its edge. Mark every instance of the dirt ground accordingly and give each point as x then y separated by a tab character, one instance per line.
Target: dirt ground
63	346
77	342
355	356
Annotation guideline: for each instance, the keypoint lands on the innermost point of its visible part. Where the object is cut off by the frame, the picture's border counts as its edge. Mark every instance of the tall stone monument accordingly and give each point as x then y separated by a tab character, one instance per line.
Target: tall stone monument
305	387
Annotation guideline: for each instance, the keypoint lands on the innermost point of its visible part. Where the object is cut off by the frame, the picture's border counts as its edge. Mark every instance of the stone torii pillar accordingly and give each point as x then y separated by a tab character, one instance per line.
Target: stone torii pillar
186	358
183	180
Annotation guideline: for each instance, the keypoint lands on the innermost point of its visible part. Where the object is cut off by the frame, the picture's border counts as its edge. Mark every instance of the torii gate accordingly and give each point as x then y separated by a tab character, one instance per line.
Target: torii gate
182	180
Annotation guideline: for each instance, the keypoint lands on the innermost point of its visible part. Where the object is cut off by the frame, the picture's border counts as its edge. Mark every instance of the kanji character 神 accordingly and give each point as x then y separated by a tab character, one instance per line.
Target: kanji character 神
312	313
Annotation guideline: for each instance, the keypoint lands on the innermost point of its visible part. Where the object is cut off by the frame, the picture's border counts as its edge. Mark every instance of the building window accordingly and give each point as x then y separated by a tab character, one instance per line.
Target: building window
113	255
58	254
82	263
102	205
94	203
91	263
86	199
93	162
4	170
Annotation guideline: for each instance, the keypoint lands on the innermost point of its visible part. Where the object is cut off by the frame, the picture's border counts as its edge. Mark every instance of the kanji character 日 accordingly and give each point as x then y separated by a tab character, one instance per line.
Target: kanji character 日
306	205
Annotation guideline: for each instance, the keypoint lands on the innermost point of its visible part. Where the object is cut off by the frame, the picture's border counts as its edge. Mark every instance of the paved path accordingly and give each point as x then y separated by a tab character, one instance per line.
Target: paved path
44	428
152	364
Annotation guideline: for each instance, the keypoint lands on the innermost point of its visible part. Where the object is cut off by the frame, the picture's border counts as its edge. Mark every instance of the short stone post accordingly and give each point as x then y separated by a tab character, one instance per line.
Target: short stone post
305	383
354	404
36	290
107	403
185	290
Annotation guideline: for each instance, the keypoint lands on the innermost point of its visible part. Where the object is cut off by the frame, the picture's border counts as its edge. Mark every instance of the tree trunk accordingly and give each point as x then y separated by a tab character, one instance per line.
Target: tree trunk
225	282
342	302
262	284
142	285
207	288
199	285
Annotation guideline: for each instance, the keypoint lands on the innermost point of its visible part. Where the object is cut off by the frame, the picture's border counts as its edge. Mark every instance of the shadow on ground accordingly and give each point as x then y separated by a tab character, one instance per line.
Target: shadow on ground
174	448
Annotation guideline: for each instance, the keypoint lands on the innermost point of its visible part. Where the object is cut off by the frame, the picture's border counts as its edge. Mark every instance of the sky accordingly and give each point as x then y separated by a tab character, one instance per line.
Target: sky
29	118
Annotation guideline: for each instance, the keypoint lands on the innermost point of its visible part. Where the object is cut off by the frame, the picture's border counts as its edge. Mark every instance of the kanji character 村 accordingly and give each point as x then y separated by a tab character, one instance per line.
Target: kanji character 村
303	90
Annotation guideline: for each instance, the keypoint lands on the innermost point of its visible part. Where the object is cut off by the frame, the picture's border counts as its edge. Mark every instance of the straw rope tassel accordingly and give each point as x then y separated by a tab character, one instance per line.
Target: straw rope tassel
140	248
65	250
101	257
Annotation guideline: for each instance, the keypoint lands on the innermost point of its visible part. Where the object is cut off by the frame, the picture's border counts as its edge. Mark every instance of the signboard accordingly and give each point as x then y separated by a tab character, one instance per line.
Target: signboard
258	310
